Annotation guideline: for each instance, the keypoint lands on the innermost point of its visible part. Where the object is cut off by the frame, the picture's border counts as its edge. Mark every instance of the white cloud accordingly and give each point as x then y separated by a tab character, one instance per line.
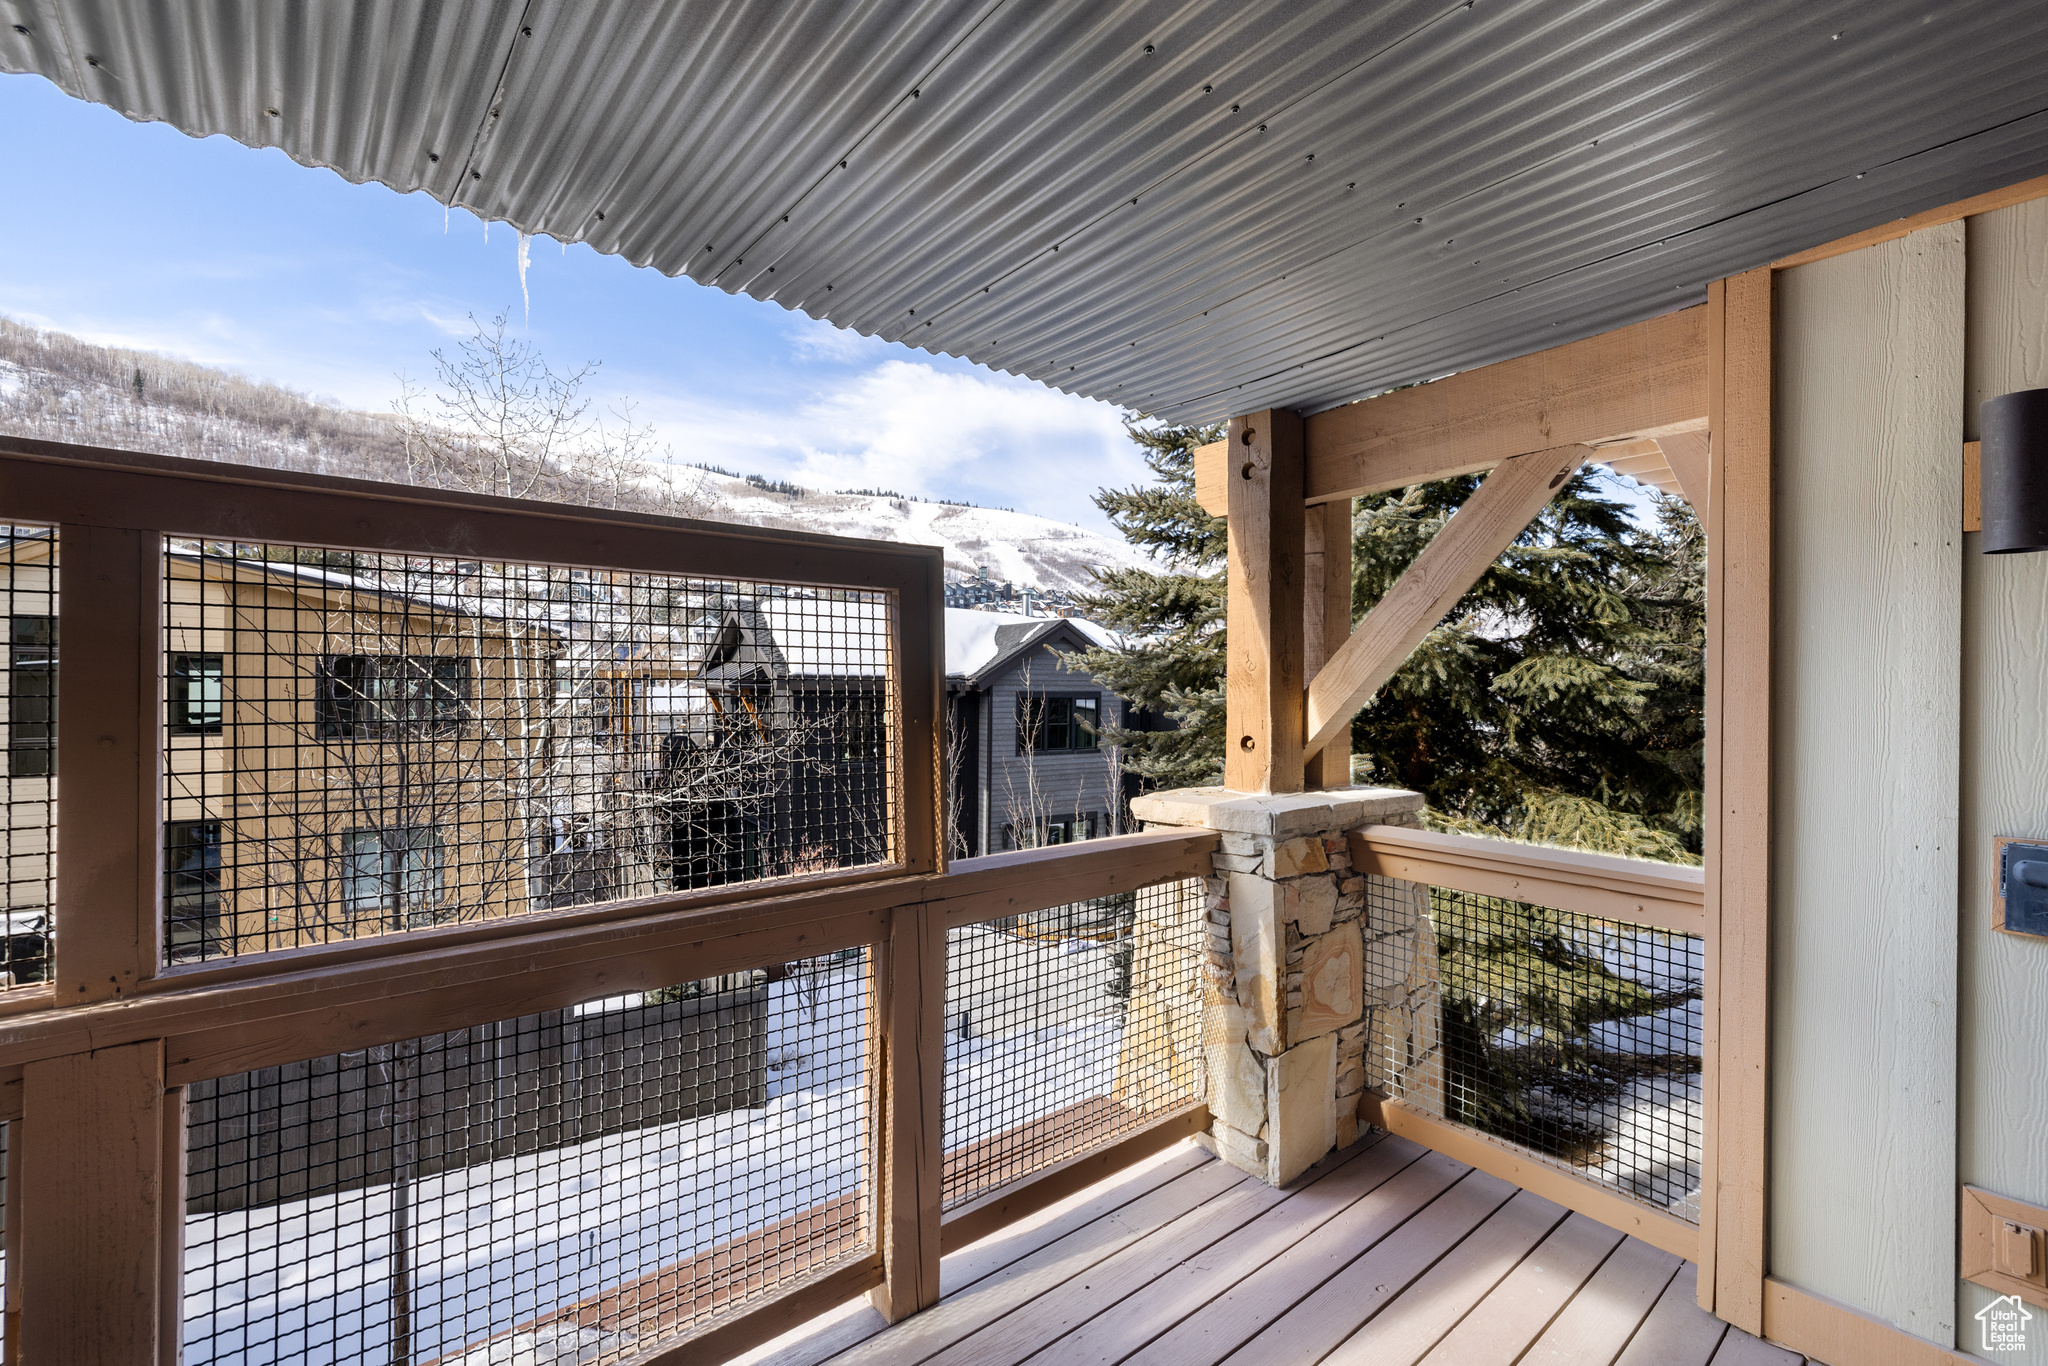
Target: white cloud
912	427
814	339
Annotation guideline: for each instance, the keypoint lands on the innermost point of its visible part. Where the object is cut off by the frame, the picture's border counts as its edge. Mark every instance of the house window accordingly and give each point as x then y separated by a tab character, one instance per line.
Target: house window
192	889
32	696
196	701
393	877
373	695
1057	723
1058	830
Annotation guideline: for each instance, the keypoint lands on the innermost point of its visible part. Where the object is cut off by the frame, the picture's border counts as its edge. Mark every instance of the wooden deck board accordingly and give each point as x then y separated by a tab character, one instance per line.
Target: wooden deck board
920	1336
1595	1327
1406	1330
1678	1332
1386	1255
1517	1310
1329	1285
1156	1309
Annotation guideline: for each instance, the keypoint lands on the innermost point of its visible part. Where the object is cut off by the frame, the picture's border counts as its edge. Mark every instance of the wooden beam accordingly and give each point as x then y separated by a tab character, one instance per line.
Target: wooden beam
1263	683
1462	550
110	585
1735	1014
1657	1227
93	1153
1326	625
1667	896
1025	880
1686	454
2036	188
1212	474
1648	380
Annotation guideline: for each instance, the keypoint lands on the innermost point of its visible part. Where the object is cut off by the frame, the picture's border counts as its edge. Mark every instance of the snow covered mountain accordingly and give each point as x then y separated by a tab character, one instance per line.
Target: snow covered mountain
58	388
1032	552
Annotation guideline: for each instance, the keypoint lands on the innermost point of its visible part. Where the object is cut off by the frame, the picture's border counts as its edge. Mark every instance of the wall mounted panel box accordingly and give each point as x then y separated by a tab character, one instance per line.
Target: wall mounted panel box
2023	887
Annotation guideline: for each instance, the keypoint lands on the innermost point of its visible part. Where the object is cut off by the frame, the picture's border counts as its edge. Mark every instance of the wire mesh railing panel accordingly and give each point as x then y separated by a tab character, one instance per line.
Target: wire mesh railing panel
1572	1036
30	725
1068	1028
575	1185
361	744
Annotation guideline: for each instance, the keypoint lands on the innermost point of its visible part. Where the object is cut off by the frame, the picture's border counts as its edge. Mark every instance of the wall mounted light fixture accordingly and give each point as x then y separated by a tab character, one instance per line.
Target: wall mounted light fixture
2015	471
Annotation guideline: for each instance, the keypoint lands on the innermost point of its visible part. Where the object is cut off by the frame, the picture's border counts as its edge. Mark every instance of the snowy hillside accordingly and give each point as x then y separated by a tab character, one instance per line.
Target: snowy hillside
1032	552
58	388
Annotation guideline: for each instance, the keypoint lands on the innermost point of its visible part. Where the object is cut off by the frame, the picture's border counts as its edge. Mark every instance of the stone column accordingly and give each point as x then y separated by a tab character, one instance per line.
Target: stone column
1301	980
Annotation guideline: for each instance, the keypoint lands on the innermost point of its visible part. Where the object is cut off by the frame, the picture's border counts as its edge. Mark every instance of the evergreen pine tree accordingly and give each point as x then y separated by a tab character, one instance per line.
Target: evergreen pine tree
1173	664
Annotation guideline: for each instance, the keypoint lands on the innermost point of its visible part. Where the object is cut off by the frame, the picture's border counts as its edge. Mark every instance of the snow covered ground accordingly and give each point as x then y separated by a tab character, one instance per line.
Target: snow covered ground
1653	1128
310	1281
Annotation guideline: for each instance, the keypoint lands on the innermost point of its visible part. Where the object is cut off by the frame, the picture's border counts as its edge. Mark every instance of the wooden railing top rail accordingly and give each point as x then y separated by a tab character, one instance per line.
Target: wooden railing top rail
301	1010
1666	896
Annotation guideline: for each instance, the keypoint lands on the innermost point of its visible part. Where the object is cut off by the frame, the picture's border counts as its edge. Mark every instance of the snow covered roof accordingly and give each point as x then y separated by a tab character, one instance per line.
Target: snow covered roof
976	640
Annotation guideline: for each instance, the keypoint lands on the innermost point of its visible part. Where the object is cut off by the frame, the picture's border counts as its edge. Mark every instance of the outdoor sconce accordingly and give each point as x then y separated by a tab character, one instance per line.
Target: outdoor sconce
2014	471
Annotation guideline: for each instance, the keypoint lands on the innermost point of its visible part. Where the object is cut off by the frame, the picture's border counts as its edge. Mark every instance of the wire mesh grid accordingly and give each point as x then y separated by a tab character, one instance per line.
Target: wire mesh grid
30	698
1068	1028
365	744
568	1186
1570	1035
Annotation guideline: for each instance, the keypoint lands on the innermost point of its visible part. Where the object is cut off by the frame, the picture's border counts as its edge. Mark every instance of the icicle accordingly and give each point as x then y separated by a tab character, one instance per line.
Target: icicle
487	232
444	220
525	245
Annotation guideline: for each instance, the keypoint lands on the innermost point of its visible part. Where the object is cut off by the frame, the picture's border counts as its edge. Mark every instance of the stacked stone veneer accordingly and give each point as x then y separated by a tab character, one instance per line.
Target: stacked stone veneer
1312	989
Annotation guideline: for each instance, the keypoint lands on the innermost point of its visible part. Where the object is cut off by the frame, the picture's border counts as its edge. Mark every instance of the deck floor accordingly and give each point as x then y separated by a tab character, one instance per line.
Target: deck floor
1384	1255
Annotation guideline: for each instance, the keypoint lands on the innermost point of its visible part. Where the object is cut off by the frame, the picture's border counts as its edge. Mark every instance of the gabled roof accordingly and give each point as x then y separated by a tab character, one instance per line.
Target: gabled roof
980	645
1188	207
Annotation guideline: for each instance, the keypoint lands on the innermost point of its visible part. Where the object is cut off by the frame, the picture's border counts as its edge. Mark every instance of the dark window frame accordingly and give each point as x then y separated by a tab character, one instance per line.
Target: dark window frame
353	697
192	874
1058	726
1060	830
179	679
32	710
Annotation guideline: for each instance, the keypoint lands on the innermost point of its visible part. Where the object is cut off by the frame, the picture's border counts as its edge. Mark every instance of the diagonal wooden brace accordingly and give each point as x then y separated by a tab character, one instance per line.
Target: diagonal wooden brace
1451	563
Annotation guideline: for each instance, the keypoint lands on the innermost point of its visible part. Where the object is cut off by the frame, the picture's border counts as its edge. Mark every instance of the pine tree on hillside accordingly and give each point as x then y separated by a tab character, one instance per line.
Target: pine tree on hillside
1174	619
1561	701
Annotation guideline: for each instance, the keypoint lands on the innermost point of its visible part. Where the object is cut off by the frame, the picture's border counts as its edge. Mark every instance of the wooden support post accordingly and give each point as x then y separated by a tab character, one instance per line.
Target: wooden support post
1462	549
171	1231
92	1155
1326	622
10	1313
1735	1013
910	1015
109	652
1263	686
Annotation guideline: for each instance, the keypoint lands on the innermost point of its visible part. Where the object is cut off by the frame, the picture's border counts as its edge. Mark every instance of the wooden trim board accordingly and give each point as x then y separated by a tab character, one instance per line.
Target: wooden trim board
1669	897
729	1336
1654	1226
1973	486
2036	188
1984	1213
1735	1013
1833	1334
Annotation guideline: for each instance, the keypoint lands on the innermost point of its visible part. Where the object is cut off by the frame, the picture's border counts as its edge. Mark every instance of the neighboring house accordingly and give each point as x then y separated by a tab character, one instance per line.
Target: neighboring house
350	753
1027	763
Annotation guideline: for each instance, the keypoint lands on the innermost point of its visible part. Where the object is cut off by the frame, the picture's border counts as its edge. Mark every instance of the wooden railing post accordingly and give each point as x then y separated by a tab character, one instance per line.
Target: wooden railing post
109	648
91	1202
910	1013
1265	699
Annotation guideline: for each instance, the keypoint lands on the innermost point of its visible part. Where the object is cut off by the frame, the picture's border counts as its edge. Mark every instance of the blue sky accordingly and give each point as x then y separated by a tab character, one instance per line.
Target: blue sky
136	235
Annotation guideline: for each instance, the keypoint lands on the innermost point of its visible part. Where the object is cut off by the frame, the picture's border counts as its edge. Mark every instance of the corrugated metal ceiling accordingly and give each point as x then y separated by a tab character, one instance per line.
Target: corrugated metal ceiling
1188	207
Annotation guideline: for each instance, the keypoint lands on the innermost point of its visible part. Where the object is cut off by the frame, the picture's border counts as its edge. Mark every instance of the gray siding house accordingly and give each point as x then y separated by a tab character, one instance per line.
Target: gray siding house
1027	762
